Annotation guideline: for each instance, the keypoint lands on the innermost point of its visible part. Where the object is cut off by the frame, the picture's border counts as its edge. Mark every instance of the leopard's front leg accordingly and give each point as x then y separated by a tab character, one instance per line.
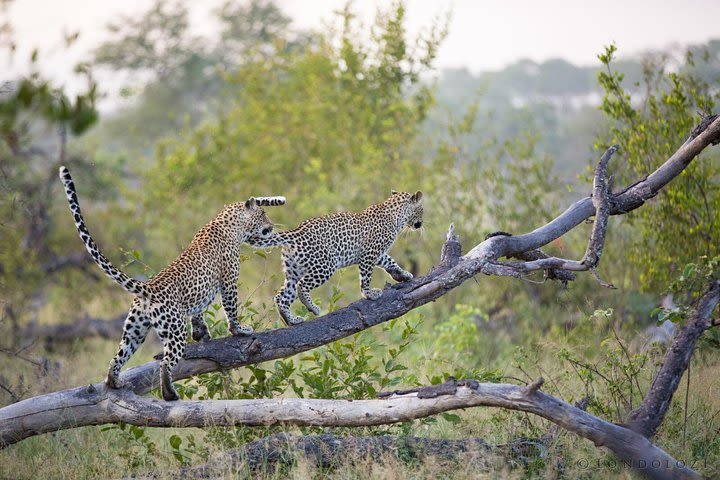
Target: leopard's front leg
366	268
229	301
398	274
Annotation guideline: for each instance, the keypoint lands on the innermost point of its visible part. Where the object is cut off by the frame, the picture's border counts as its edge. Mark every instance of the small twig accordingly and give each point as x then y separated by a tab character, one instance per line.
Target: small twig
602	283
18	354
13	395
530	280
544	372
635	371
510	377
526	373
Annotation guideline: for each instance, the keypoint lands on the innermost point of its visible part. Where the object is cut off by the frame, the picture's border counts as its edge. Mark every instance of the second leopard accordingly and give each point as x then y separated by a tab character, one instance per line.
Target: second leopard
318	247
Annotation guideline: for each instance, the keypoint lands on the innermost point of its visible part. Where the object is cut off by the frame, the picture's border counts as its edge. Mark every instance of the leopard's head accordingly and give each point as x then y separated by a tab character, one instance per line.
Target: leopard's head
256	222
411	208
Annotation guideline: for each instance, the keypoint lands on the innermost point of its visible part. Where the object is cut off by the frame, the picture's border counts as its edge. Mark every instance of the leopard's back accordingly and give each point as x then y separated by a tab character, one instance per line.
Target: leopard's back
318	247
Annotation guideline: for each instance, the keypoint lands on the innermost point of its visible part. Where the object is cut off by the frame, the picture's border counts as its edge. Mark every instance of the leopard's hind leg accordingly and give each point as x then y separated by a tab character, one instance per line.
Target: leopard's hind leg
312	280
135	331
288	292
172	332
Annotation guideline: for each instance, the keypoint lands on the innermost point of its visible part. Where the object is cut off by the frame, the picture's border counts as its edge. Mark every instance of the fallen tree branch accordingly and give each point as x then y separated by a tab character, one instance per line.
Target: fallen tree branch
328	450
647	418
96	404
125	406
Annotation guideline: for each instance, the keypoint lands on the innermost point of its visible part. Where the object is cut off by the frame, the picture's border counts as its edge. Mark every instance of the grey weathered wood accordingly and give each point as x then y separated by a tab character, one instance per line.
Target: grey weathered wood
560	267
125	406
634	196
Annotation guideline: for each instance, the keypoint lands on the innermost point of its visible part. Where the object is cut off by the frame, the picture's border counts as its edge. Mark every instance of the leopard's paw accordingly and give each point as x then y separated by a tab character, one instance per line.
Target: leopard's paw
373	294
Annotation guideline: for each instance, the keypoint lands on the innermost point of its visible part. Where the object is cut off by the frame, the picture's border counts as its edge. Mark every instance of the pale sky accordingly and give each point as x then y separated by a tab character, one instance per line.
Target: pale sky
483	34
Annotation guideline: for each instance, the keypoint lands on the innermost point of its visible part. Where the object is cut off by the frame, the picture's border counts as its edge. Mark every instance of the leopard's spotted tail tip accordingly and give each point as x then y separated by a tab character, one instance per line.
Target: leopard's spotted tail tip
270	201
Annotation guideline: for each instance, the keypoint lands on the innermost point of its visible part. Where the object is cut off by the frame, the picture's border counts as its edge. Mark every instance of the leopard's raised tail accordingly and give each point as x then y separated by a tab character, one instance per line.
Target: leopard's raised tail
131	285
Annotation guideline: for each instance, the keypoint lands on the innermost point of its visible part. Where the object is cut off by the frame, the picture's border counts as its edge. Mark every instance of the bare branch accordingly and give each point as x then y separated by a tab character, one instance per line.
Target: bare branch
625	201
83	327
15	397
601	202
602	282
97	407
79	260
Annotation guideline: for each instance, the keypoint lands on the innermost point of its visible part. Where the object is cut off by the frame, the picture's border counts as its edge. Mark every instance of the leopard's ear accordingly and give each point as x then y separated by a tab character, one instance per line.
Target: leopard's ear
250	203
393	192
416	197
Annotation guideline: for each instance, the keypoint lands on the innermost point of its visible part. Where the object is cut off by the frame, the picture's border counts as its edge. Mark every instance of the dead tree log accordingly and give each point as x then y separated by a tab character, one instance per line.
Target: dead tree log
95	404
125	406
328	450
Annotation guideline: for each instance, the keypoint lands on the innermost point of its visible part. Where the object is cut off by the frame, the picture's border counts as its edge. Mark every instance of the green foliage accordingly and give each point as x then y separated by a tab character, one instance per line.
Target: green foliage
686	289
681	224
326	115
614	377
459	333
140	450
696	277
176	75
158	41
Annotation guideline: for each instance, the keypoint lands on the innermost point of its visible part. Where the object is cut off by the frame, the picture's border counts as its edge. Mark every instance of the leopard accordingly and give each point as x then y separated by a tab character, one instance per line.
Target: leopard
185	288
314	250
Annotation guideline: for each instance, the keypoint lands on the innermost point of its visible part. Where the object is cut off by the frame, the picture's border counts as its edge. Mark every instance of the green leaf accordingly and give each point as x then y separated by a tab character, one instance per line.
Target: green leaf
175	442
180	457
451	417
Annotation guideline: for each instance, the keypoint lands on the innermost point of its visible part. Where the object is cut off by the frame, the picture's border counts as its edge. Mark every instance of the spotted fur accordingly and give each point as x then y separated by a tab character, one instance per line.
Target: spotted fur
318	247
210	264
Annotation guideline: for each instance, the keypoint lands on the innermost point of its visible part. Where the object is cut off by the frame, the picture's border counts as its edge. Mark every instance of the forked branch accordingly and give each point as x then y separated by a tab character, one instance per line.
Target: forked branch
601	202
